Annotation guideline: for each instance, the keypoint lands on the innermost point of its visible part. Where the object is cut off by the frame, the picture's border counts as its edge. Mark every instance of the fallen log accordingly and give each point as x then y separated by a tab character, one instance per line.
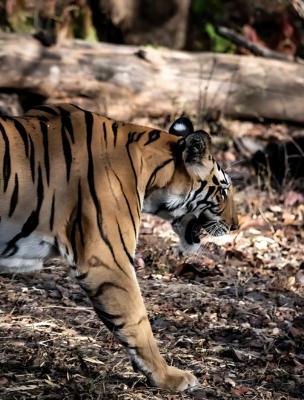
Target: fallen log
127	82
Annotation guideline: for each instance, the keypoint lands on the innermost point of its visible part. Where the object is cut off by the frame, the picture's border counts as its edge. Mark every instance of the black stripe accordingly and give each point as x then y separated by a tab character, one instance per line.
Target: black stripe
90	176
56	244
14	198
47	109
23	134
166	207
153	136
189	193
110	181
44	130
199	190
126	344
215	180
42	118
142	319
105	133
52	216
11	251
154	173
79	214
107	319
127	202
124	244
32	222
6	168
82	276
66	121
32	159
66	151
207	206
105	286
138	136
77	225
191	203
211	190
161	207
115	129
130	140
7	118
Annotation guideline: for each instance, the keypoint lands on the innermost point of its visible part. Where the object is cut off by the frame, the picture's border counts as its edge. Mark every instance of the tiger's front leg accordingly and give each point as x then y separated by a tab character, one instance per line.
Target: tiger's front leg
116	297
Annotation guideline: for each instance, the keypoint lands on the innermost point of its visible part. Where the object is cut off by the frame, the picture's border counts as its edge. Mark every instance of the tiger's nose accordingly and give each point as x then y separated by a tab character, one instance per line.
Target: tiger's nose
234	227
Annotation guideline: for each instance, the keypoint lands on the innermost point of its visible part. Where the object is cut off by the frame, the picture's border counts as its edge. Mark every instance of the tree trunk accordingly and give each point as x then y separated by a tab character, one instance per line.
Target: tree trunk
126	82
155	22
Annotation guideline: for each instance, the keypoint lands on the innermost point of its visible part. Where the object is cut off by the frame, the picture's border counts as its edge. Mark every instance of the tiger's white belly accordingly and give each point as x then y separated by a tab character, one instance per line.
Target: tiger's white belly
28	253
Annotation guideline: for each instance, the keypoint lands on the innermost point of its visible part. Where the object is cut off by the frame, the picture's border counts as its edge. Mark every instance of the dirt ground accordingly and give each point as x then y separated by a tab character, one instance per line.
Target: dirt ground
233	314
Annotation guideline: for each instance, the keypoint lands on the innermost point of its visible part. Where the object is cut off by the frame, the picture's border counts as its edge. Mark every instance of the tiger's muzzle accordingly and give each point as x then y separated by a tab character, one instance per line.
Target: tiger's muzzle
190	228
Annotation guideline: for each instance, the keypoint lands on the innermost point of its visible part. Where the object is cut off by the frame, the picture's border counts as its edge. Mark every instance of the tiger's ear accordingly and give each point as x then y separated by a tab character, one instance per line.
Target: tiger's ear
197	148
181	127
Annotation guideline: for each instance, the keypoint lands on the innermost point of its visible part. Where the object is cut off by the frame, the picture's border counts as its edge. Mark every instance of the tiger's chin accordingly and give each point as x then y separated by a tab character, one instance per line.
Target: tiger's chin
187	248
190	232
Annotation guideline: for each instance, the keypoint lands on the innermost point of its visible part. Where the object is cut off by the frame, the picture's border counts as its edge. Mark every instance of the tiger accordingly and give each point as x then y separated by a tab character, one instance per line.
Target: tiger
74	184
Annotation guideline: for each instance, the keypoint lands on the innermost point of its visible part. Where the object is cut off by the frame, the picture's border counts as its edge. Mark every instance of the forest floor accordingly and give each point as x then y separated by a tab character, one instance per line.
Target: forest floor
232	314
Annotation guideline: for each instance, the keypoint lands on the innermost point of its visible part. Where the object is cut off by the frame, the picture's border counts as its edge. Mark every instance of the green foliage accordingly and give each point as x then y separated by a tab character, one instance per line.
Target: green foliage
82	25
219	44
18	18
204	7
91	35
74	18
208	14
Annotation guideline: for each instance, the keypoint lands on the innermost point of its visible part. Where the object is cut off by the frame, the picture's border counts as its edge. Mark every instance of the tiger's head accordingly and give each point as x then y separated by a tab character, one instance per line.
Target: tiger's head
199	197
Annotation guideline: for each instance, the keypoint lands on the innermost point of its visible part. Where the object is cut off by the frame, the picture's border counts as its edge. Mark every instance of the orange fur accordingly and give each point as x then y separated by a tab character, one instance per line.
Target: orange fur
75	182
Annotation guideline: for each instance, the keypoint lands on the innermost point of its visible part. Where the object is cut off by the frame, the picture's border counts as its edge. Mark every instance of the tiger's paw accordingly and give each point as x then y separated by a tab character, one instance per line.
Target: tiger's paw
177	380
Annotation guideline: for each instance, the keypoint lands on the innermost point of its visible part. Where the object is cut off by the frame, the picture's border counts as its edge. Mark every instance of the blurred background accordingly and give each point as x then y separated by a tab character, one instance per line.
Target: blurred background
179	24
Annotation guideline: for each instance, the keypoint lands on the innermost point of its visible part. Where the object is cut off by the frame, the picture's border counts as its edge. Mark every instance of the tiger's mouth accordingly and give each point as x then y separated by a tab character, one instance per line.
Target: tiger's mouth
196	227
193	231
190	229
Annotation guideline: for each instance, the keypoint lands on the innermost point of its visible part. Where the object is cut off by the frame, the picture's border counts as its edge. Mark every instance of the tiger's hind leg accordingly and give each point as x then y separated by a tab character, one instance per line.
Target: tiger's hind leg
116	297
